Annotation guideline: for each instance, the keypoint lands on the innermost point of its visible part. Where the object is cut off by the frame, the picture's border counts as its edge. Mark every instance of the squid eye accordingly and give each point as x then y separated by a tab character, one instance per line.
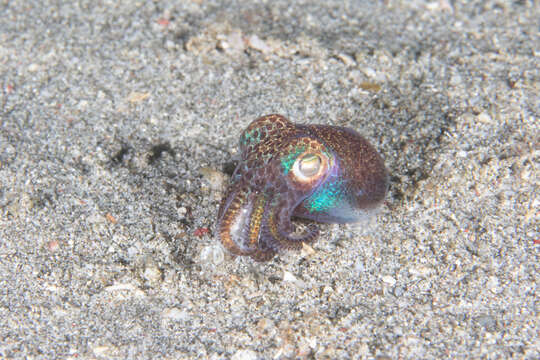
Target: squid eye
309	165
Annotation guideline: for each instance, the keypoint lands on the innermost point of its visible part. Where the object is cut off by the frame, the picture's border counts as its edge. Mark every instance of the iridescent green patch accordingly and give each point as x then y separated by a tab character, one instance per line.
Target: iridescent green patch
287	161
251	137
326	197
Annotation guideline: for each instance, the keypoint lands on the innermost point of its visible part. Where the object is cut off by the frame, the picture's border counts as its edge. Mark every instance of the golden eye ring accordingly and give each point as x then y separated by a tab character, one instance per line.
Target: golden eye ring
308	167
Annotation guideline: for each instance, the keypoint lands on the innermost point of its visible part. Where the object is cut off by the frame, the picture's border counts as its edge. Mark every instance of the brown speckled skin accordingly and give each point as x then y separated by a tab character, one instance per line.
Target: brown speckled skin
266	190
359	162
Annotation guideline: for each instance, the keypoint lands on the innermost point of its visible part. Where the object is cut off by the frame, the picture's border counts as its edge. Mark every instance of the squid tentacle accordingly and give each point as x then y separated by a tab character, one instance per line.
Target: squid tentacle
280	233
240	223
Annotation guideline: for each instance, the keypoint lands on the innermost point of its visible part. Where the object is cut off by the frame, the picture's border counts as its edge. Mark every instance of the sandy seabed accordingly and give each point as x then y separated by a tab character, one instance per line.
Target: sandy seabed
118	120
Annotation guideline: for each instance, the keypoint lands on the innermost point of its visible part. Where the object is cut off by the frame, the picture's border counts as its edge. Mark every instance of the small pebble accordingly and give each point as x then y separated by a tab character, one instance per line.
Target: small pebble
53	245
216	179
212	254
487	322
176	314
484	118
289	277
33	67
244	355
369	72
232	43
456	79
103	350
346	59
136	97
256	43
389	280
493	285
152	273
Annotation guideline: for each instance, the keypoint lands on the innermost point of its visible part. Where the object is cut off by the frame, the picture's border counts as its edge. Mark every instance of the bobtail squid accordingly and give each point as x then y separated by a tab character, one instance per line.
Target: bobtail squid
323	173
